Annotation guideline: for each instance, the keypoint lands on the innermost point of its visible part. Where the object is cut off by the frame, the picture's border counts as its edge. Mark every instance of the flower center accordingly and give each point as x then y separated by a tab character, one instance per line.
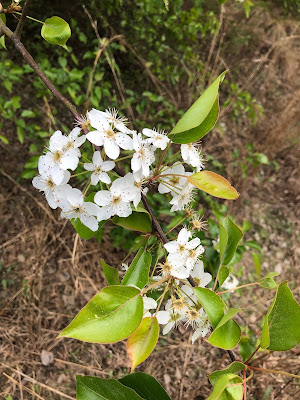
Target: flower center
116	200
166	267
50	183
181	248
98	170
69	145
174	180
193	254
198	281
57	156
193	315
178	304
77	209
110	134
142	153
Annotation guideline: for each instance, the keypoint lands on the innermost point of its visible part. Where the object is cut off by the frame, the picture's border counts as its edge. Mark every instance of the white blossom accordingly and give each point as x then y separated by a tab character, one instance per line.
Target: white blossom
100	169
115	201
202	278
191	155
182	200
183	244
55	194
173	179
76	207
159	139
111	116
143	156
112	140
230	283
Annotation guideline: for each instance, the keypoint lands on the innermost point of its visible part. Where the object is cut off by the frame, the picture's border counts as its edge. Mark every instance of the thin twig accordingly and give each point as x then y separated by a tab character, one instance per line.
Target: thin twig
21	22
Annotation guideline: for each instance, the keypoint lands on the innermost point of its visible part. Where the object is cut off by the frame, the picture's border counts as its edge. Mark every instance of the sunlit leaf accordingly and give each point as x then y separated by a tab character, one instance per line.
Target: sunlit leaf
233	368
268	282
257	264
145	386
138	271
142	342
111	274
281	327
227	333
230	235
213	184
112	315
223	275
55	30
2	38
224	389
200	117
93	388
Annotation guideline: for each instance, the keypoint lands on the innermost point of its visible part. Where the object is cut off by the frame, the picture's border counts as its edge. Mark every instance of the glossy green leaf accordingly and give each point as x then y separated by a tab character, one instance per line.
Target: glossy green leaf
145	386
112	315
200	117
142	342
257	264
55	30
230	235
223	389
223	275
213	184
83	231
194	134
138	272
139	220
93	388
268	282
281	327
212	304
227	333
111	274
233	368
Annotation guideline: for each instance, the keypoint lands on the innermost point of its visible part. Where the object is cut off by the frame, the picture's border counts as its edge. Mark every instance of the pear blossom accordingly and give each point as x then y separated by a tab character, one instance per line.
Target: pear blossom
158	138
112	140
100	169
115	201
201	278
191	155
110	115
54	194
76	207
202	325
183	244
230	283
181	200
73	139
173	179
59	157
173	314
143	156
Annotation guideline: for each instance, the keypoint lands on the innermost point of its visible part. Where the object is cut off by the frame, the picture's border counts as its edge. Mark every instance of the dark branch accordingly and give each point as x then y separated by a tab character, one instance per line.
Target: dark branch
22	19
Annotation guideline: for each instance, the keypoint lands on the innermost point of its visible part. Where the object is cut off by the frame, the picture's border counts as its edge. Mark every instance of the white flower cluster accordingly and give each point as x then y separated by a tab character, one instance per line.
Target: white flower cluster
116	196
183	308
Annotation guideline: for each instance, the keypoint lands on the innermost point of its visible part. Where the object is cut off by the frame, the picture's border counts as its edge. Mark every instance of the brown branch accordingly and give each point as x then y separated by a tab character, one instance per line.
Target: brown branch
21	22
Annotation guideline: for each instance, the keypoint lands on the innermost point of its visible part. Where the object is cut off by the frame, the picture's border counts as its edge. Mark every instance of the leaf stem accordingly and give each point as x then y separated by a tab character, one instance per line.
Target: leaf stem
239	287
273	371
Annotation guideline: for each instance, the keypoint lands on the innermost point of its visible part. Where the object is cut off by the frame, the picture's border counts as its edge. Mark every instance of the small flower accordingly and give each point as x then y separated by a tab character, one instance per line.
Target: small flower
202	278
197	222
173	179
111	116
230	283
158	138
100	169
106	136
76	207
116	201
183	199
180	247
191	155
174	266
203	326
55	194
143	156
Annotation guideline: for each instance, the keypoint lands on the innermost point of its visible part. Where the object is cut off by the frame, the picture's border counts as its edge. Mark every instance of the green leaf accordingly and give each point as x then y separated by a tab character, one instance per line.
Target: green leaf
139	220
145	386
4	139
28	114
194	134
111	274
230	235
223	390
257	264
2	38
20	134
112	315
281	327
268	282
223	275
56	31
213	184
233	368
212	304
201	116
142	342
92	388
138	272
227	333
253	245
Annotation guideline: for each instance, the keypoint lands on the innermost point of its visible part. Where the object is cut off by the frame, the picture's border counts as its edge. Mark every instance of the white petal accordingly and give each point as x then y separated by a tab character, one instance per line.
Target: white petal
94	178
124	210
163	317
89	221
192	244
171	247
75	197
168	327
69	160
104	213
57	174
95	137
124	141
111	149
97	159
39	183
89	166
103	198
103	177
149	303
91	208
108	165
183	236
